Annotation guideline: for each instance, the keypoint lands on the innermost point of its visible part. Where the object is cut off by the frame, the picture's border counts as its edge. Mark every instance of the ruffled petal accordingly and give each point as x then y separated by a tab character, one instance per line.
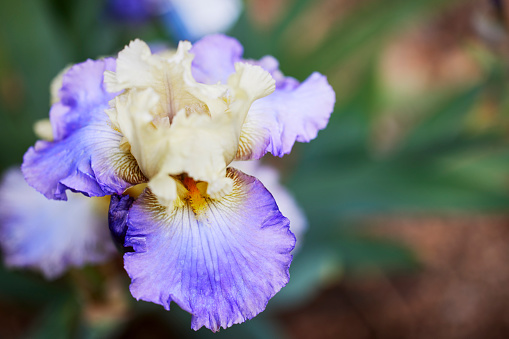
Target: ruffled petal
271	65
214	58
175	125
286	203
50	236
222	265
84	155
287	115
294	112
88	161
82	96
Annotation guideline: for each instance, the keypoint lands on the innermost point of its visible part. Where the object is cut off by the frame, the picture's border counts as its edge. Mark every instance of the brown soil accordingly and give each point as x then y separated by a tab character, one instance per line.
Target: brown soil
461	290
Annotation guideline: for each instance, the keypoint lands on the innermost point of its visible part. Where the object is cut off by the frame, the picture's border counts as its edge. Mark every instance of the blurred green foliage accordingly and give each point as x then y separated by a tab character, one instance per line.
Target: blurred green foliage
439	165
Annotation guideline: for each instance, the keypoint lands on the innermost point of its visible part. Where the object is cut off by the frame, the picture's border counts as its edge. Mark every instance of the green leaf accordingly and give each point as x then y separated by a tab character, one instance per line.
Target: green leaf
363	30
58	321
361	252
442	124
28	288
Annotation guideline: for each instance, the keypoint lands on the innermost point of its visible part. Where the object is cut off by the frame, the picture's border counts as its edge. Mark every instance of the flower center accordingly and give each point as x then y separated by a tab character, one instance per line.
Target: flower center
195	196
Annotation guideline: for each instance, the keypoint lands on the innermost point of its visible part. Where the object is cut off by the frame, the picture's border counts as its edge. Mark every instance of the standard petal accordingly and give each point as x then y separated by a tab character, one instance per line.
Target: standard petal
222	265
49	236
287	115
133	68
214	58
271	65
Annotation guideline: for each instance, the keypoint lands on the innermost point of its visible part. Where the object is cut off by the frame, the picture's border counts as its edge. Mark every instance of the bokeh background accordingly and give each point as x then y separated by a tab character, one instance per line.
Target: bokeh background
406	192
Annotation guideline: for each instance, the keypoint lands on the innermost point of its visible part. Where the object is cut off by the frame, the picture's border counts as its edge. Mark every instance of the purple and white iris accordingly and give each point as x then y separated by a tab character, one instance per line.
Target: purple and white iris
203	234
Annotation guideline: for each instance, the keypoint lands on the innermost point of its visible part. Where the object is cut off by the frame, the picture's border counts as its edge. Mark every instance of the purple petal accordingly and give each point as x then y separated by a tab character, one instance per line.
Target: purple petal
117	218
271	65
85	154
215	57
221	266
88	161
286	203
49	236
83	97
294	112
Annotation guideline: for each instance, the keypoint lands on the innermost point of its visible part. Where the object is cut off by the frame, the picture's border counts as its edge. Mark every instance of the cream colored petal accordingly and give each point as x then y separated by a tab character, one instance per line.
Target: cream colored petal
220	188
213	96
248	84
165	189
253	80
135	68
254	138
135	122
175	125
200	146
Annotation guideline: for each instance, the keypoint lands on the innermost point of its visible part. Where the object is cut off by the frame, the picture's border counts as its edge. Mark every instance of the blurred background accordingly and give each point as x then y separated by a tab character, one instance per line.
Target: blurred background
405	193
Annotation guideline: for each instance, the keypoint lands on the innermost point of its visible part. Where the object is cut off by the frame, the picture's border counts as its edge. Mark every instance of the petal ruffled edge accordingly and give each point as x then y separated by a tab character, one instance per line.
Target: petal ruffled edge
85	155
82	90
88	161
286	202
221	266
294	112
276	122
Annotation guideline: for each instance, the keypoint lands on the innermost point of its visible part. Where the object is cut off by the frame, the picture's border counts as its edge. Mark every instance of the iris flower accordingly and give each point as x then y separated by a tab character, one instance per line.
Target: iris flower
202	234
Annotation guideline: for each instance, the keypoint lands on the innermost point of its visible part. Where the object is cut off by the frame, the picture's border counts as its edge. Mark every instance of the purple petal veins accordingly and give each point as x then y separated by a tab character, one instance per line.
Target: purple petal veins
286	203
222	266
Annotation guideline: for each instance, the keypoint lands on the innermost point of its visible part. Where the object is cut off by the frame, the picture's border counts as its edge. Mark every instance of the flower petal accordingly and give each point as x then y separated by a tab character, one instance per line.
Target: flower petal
81	94
222	265
88	161
175	125
294	112
215	57
117	217
286	203
131	11
85	154
134	65
287	115
49	236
